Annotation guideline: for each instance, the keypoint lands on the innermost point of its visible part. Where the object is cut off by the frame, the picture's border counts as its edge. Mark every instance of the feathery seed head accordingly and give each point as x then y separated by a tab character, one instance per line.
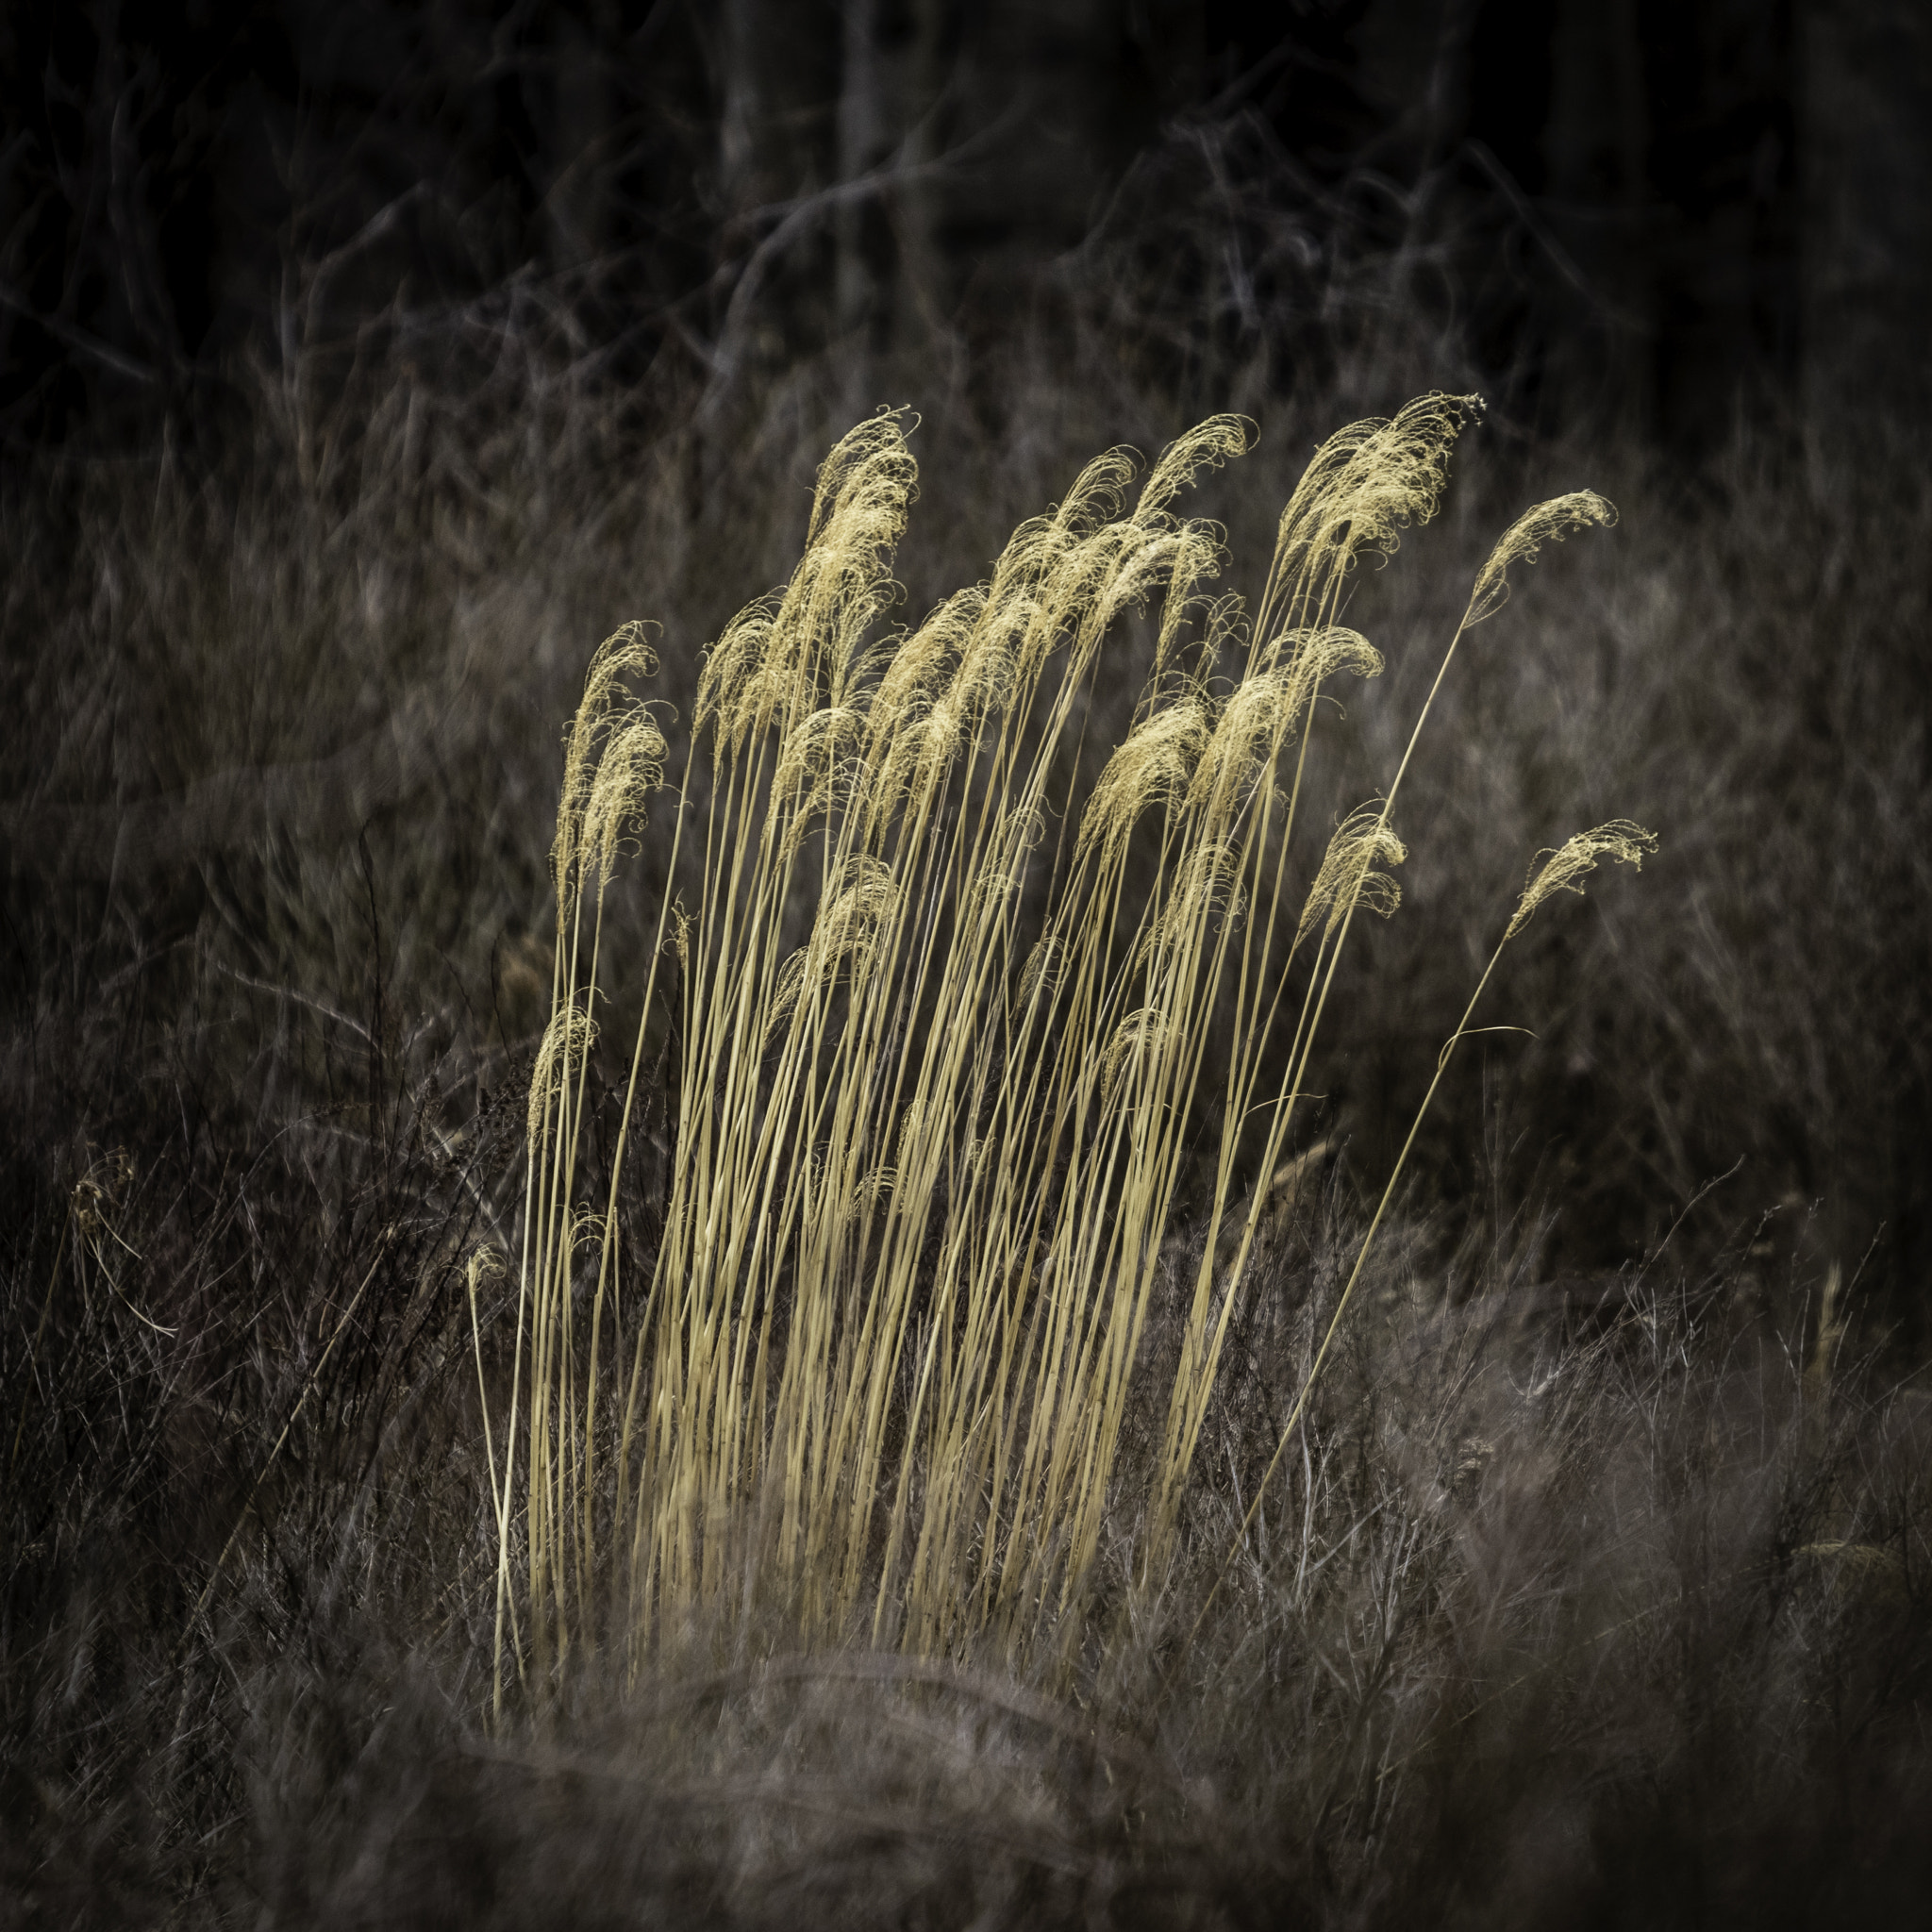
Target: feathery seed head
848	658
1137	1039
861	902
1566	867
730	683
585	1228
842	583
786	990
1066	595
945	729
1302	513
918	668
626	653
1397	475
866	896
1041	975
1199	554
916	758
485	1264
916	711
813	747
1097	494
1130	567
1209	883
1153	764
1366	484
867	477
1030	553
631	768
1315	655
1347	878
870	1188
990	659
1547	522
1019	588
1252	722
1227	621
1207	445
568	1037
1138	568
606	706
816	772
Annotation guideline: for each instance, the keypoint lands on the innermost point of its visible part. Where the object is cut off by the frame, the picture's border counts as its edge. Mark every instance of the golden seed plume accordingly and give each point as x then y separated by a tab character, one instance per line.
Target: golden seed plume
1547	522
922	665
1397	476
1312	656
1153	766
585	1228
913	758
1138	1038
1347	878
631	768
987	667
733	666
1022	575
815	768
1209	883
771	662
1207	445
1224	621
1260	711
568	1037
870	1188
1568	865
485	1264
624	654
1199	555
1043	972
1366	484
1090	583
863	900
1303	513
1097	494
1138	570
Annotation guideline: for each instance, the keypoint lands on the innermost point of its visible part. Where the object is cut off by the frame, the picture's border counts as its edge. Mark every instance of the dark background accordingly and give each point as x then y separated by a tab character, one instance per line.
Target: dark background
1634	206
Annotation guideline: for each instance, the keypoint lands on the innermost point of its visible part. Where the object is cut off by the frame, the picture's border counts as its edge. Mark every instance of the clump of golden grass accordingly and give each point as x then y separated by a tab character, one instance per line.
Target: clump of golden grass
928	1161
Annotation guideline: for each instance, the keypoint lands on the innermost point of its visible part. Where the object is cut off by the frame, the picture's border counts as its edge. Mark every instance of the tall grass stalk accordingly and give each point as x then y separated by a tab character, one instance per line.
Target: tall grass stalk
931	1150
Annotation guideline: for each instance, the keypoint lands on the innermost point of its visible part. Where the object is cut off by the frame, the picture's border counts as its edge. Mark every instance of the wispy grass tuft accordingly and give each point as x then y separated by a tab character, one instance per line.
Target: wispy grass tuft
874	1380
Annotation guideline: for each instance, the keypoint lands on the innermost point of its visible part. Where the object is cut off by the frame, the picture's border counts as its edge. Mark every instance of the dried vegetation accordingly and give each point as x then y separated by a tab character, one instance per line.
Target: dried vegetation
356	1575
